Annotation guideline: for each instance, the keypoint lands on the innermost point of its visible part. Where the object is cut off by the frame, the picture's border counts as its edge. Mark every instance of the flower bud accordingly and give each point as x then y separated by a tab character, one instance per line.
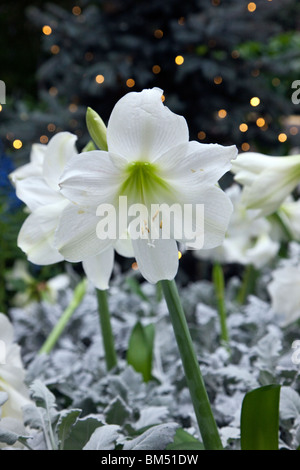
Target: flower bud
96	128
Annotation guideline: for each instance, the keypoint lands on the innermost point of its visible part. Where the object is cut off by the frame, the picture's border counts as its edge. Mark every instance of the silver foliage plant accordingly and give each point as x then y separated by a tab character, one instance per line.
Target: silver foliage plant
72	392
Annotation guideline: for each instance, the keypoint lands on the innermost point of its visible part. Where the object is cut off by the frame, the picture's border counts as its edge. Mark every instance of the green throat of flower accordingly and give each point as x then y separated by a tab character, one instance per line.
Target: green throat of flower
143	184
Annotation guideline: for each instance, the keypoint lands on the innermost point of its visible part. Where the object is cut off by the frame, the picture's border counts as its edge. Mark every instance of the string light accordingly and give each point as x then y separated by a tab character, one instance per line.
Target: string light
235	54
134	266
158	33
222	113
255	72
17	144
163	98
73	107
282	137
179	60
156	69
251	6
254	101
0	108
76	10
276	81
55	49
44	139
260	122
243	127
201	135
99	79
245	146
294	130
179	254
218	80
51	127
130	82
47	30
53	91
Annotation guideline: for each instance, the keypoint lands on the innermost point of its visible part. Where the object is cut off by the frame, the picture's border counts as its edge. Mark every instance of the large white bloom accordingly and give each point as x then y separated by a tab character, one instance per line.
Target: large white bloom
267	180
150	161
285	293
37	186
248	238
12	373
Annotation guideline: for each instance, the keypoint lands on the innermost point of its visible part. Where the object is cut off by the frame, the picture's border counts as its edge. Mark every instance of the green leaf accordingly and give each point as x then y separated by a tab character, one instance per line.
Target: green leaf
260	419
140	349
67	419
185	441
81	432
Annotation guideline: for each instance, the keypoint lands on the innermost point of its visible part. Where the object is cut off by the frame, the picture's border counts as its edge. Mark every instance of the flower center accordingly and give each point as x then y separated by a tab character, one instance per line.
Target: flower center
143	184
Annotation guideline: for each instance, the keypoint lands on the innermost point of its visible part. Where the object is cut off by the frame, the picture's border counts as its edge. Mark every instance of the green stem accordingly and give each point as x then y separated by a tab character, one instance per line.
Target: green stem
218	280
64	319
106	329
204	415
248	284
278	219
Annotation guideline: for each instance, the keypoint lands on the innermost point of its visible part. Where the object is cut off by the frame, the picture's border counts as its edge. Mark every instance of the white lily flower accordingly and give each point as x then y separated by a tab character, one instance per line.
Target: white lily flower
12	373
289	213
285	293
248	238
37	186
267	180
150	161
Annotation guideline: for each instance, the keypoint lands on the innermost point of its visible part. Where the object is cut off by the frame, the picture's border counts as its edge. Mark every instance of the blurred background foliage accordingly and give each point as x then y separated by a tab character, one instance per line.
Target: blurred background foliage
226	66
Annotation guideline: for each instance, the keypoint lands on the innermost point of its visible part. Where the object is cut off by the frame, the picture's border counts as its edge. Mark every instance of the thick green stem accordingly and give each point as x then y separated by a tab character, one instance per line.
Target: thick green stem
55	334
106	329
207	425
218	280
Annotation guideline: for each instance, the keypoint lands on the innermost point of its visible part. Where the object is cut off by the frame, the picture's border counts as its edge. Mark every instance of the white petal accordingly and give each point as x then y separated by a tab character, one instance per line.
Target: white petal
6	330
284	293
99	268
217	213
90	179
35	192
76	237
156	261
142	128
250	164
37	154
124	248
60	149
36	237
264	250
270	188
194	165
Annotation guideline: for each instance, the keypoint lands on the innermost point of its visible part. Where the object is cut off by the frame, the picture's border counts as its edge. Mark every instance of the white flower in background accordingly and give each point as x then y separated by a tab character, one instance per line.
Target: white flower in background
248	238
267	180
12	373
150	161
289	213
37	186
285	293
33	290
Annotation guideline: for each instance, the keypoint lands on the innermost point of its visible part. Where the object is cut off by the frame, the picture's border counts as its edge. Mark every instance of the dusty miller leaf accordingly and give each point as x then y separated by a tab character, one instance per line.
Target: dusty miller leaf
103	438
155	438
